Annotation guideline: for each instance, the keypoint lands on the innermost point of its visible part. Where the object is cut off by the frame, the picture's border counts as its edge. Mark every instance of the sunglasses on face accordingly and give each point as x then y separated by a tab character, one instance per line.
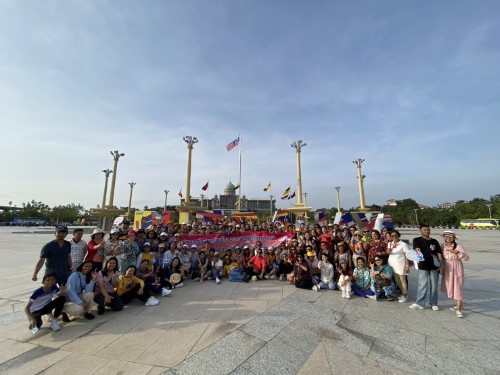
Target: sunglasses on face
378	260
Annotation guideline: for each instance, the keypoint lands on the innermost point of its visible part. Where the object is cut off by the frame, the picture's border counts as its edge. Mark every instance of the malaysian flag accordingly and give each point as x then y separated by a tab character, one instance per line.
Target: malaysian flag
233	144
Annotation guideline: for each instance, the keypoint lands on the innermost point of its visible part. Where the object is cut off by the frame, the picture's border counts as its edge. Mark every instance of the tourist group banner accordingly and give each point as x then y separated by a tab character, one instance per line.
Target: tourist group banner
224	241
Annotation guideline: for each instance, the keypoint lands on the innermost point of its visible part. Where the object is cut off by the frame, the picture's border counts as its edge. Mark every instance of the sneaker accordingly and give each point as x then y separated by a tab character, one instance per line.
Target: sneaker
348	295
34	330
196	279
343	294
165	292
454	308
372	297
217	280
459	314
88	316
435	308
55	327
152	301
272	277
254	278
315	288
416	306
402	299
65	318
266	277
180	285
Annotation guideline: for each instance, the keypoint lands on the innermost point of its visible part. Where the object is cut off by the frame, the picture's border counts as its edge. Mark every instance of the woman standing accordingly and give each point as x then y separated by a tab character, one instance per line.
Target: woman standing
376	246
95	248
453	279
397	250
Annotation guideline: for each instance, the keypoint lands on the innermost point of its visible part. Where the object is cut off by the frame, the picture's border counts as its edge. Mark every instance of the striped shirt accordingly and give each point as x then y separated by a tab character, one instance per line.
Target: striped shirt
78	250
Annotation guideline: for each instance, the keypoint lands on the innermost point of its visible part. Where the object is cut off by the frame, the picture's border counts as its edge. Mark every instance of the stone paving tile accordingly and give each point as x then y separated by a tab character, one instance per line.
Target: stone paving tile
269	324
172	347
76	363
317	363
33	361
342	361
222	357
123	368
156	370
213	333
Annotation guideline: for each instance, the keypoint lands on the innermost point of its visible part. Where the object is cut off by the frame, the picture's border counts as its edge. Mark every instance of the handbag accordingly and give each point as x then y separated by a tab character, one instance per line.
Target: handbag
381	282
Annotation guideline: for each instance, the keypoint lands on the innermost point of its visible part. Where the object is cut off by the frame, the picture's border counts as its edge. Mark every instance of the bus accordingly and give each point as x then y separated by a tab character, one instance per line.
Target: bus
480	223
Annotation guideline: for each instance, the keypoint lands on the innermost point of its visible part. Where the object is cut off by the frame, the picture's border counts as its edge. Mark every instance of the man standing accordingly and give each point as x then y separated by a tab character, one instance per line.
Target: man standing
428	269
57	257
78	248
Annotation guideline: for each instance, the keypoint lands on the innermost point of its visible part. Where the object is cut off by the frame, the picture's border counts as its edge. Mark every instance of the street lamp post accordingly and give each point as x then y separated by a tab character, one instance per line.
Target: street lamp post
116	156
106	172
190	142
297	145
166	196
416	215
338	197
361	177
489	208
202	195
271	205
132	184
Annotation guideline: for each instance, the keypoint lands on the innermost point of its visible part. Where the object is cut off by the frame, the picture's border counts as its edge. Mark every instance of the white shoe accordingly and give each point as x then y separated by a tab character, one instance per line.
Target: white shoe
435	308
266	277
402	299
272	277
55	327
454	308
152	301
416	306
180	285
165	292
348	295
217	280
315	288
254	278
372	297
459	314
343	294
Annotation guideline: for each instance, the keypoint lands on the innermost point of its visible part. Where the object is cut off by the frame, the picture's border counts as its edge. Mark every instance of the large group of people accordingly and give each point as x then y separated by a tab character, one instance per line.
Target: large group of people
112	270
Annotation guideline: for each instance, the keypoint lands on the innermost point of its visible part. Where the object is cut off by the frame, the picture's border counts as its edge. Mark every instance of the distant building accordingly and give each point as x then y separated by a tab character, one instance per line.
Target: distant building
391	202
446	205
228	202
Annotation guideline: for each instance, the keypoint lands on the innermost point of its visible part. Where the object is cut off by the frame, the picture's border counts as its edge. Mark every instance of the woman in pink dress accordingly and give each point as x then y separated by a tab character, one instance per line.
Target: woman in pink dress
453	279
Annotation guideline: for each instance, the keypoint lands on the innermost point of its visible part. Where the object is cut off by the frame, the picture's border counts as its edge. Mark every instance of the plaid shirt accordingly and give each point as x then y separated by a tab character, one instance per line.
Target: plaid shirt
78	251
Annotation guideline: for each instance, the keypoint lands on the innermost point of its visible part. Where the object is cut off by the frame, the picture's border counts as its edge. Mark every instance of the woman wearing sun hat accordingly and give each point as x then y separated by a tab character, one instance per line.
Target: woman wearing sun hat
453	279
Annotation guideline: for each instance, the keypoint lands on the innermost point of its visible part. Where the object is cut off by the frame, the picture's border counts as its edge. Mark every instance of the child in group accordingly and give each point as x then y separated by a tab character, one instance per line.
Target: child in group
344	279
48	299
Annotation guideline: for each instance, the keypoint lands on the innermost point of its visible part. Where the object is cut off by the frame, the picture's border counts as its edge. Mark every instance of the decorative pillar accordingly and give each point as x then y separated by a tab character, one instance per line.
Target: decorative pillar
116	156
361	177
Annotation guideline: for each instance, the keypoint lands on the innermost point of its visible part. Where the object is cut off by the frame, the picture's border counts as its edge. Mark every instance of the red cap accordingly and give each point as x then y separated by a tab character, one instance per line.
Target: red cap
130	232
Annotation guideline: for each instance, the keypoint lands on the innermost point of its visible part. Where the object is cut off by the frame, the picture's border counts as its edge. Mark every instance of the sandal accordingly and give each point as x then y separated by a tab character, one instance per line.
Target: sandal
390	298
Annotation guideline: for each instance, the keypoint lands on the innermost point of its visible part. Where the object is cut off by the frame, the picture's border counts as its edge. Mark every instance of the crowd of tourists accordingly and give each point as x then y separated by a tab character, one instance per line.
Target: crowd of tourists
111	270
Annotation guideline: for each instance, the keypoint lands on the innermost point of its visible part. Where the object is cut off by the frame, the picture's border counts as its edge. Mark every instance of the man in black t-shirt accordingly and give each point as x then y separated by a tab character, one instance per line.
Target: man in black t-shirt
57	257
428	269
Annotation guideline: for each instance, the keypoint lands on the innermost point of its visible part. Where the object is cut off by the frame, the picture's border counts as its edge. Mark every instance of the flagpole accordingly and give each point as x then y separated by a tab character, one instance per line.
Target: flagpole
239	190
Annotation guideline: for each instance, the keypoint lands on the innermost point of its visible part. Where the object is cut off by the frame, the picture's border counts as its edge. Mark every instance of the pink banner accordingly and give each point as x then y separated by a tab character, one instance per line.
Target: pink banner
224	241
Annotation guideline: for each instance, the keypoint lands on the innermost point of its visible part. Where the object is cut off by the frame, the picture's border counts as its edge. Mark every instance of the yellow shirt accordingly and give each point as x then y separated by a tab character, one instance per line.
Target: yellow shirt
127	283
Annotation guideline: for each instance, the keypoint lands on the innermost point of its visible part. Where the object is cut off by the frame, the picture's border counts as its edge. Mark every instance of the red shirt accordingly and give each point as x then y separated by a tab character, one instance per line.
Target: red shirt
258	263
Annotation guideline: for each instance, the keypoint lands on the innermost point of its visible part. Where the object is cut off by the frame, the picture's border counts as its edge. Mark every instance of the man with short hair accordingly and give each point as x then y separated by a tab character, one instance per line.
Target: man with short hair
57	257
78	248
428	269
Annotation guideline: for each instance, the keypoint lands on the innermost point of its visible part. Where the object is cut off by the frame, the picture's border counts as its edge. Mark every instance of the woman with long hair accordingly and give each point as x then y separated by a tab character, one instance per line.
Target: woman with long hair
107	280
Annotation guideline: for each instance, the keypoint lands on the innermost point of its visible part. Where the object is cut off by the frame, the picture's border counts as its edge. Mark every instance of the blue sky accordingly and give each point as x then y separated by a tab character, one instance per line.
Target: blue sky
411	87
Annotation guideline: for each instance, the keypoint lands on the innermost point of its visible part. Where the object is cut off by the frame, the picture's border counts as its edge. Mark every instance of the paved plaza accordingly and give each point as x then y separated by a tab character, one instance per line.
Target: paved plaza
264	327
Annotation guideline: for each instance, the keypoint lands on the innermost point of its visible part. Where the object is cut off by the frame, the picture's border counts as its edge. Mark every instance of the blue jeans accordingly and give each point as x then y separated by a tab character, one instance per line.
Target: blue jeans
362	293
331	285
386	289
427	283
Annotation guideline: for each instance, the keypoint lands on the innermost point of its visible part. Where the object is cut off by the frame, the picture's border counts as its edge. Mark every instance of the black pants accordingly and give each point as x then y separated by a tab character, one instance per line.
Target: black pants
54	307
116	303
132	293
304	283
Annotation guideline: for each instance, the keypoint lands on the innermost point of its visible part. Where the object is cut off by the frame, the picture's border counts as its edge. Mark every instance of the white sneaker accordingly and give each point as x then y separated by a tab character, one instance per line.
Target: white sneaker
165	292
315	288
217	280
152	301
254	278
403	299
416	306
180	285
55	327
454	308
343	294
435	308
266	277
348	295
372	297
459	314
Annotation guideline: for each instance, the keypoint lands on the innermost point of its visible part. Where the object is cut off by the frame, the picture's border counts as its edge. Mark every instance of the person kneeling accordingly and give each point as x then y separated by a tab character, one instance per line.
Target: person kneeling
47	299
